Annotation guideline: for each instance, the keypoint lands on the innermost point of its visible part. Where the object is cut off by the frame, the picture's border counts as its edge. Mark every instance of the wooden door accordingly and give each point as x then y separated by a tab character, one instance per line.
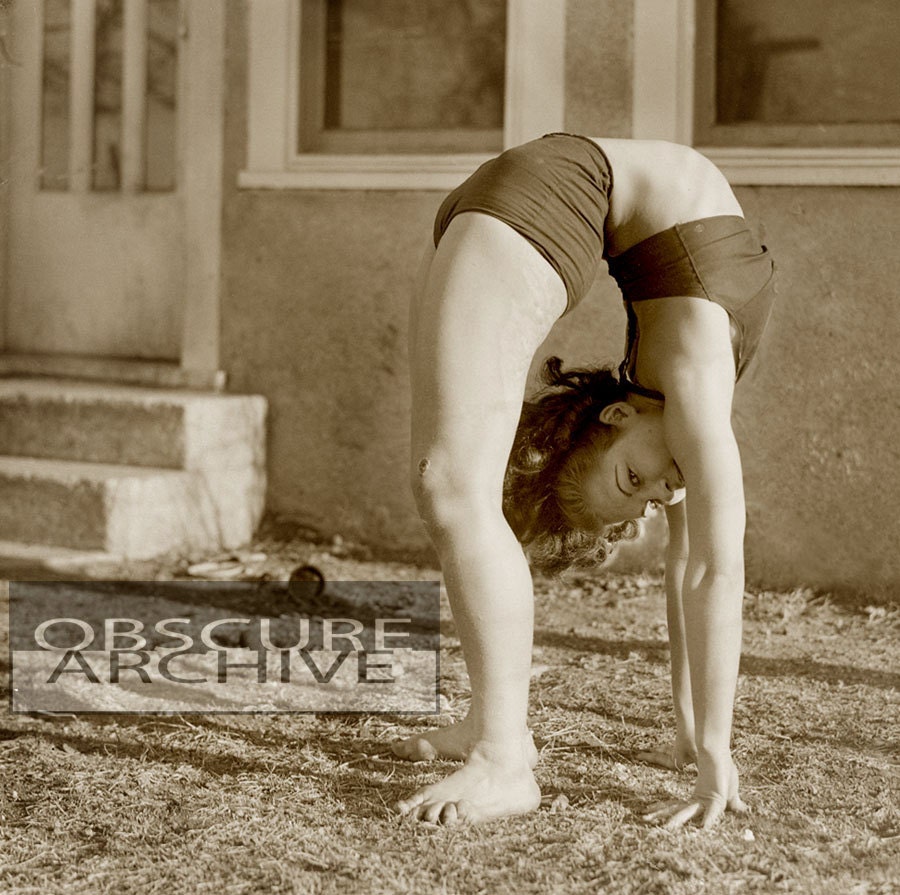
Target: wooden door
97	260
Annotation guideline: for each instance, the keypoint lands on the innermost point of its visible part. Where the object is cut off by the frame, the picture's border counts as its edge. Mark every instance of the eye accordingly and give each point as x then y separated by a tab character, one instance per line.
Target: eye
634	478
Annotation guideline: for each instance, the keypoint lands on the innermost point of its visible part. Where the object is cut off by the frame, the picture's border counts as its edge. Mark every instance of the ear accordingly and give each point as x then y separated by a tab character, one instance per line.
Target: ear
617	413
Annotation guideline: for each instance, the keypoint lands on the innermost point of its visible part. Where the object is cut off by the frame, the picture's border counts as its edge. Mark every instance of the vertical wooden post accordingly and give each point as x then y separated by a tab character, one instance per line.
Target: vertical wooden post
134	96
534	103
81	96
201	118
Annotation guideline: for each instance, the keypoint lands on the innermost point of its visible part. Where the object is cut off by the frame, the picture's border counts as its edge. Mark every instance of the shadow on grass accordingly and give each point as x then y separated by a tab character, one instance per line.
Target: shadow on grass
354	776
758	666
657	652
654	651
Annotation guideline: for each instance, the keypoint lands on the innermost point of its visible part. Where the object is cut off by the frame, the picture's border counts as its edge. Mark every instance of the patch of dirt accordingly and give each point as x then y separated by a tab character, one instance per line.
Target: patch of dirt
245	803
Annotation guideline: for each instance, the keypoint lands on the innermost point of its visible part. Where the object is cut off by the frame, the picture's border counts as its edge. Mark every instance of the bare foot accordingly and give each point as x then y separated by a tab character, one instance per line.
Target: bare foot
485	788
675	758
453	742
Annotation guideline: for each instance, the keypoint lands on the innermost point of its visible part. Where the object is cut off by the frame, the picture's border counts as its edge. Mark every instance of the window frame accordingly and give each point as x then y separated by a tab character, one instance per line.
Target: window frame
533	105
665	69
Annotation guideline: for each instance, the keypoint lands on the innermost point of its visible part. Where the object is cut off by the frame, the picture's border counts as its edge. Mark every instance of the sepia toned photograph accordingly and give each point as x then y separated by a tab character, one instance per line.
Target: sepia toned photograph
450	446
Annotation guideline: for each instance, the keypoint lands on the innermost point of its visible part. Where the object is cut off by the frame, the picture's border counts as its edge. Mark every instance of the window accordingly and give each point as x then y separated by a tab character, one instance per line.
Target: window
798	73
401	76
396	94
774	91
109	95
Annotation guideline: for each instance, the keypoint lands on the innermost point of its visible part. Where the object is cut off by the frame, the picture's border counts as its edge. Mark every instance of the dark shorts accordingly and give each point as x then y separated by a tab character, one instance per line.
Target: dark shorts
716	258
554	191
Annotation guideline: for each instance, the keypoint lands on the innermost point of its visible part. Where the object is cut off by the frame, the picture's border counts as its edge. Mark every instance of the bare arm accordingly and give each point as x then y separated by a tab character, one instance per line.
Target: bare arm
676	565
698	431
684	750
697	377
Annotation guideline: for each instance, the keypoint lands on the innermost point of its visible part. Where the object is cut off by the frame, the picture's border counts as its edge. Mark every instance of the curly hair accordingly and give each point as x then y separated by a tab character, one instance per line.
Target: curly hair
541	494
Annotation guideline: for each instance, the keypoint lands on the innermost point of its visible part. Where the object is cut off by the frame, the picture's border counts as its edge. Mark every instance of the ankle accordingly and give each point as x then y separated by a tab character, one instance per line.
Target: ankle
508	752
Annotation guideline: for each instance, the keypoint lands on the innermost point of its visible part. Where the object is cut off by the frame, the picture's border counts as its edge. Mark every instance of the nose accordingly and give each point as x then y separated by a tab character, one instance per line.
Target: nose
668	490
663	491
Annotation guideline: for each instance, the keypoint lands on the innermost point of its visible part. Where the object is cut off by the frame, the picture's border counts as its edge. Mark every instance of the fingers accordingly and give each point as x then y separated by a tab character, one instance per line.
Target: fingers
713	813
680	818
661	810
677	812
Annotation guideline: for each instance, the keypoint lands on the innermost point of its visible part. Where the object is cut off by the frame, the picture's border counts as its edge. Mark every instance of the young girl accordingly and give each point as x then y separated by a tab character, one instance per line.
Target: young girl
518	245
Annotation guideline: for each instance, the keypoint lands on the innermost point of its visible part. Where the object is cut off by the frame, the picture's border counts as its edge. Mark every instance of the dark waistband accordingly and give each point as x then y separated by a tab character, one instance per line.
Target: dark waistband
646	260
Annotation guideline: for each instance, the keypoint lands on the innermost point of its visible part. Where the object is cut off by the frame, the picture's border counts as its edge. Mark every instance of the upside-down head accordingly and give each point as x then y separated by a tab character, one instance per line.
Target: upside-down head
588	460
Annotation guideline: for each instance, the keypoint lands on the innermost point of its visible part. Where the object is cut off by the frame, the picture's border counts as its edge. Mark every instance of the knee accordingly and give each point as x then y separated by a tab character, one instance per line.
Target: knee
450	500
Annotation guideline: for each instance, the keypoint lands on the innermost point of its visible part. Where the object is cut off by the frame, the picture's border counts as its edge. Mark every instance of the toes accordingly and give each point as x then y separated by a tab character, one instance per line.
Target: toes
440	812
738	805
424	751
659	758
431	812
414	749
405	806
466	812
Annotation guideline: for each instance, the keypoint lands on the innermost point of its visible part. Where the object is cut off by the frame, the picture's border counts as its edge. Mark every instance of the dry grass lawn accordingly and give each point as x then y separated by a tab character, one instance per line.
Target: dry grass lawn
231	804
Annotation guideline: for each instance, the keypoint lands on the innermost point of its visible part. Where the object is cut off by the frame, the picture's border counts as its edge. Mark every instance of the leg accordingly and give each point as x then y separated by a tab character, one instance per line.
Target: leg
489	301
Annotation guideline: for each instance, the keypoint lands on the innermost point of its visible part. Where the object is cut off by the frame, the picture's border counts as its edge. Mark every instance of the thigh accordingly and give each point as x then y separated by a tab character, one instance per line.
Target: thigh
488	300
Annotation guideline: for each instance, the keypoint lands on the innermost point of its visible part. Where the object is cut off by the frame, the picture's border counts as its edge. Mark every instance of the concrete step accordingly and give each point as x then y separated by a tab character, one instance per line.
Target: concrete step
129	470
101	423
132	511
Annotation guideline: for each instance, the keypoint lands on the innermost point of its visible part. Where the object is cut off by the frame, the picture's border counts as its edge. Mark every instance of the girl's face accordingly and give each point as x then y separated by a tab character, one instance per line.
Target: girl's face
616	478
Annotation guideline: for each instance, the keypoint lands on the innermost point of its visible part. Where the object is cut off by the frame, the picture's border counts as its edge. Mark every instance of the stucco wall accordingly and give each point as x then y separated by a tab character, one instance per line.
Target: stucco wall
315	289
820	420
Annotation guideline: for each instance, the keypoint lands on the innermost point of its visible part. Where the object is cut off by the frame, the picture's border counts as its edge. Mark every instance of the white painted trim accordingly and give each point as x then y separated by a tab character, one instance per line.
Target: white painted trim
5	173
268	85
663	77
535	69
81	95
808	167
353	172
203	94
662	109
134	95
533	105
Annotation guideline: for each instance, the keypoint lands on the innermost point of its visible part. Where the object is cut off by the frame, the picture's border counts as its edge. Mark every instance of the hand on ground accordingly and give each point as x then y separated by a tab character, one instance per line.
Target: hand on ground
715	792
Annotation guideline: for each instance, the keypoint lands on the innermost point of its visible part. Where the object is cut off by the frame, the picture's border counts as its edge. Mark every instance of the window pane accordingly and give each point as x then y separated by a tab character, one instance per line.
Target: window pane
411	68
807	61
